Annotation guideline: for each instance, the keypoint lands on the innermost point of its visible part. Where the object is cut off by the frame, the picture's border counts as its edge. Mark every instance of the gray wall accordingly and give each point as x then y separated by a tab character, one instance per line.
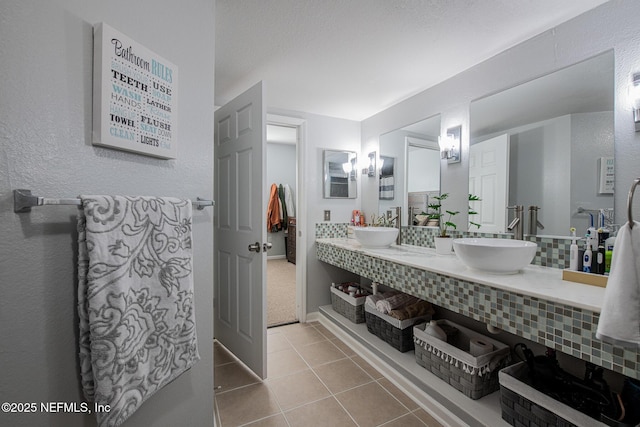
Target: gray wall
591	138
319	133
538	172
567	44
45	145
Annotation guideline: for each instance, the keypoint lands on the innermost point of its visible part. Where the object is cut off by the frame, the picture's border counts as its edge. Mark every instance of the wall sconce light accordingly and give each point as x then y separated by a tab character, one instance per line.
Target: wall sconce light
450	145
350	168
371	170
354	167
635	98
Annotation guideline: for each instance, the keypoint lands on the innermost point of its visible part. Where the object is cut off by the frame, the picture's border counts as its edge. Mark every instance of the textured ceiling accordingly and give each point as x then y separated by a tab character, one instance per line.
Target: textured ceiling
354	58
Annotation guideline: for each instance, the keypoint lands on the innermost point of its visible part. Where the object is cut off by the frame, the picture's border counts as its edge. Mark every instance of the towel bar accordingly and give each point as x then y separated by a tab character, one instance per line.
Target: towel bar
23	201
630	201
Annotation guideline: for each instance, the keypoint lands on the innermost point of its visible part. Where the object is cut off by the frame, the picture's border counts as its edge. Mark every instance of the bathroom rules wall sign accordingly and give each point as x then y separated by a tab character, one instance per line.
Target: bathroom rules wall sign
134	96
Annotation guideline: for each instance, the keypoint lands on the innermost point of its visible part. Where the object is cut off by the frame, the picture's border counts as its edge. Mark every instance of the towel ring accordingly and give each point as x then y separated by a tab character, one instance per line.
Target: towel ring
630	201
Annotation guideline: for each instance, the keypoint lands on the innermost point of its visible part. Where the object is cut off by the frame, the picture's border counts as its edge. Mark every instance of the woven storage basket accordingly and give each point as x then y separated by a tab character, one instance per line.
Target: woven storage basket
350	307
523	405
452	362
397	333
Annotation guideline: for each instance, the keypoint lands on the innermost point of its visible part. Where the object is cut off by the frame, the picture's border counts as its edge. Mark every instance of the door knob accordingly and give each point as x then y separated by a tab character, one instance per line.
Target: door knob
266	246
255	247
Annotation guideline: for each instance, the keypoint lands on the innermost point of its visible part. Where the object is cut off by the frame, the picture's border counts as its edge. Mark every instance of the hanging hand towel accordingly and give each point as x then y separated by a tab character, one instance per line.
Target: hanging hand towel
135	299
620	315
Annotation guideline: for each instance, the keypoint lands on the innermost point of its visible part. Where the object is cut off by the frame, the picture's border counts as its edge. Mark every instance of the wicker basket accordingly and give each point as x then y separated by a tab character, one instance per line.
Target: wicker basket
452	362
523	405
397	333
350	307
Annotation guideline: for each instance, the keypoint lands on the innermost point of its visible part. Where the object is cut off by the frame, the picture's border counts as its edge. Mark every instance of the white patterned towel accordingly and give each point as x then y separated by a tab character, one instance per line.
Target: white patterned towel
619	322
135	299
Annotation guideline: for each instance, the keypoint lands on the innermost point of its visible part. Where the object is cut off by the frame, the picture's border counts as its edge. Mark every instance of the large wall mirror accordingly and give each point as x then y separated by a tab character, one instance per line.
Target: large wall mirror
415	176
546	143
340	174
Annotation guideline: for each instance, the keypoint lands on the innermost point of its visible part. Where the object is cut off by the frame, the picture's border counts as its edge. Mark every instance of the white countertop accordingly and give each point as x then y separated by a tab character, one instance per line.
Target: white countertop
541	282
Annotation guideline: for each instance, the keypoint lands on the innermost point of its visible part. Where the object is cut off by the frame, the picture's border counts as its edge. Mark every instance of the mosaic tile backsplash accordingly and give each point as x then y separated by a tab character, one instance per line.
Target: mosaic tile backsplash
568	329
552	252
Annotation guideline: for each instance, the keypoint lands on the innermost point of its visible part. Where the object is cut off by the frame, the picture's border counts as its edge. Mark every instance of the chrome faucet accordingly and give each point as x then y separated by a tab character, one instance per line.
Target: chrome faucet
411	216
534	224
398	223
517	225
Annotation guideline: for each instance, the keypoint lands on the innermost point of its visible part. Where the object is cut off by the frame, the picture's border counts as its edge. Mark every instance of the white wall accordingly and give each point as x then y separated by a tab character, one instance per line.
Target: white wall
422	176
45	145
281	169
540	172
321	132
570	42
592	138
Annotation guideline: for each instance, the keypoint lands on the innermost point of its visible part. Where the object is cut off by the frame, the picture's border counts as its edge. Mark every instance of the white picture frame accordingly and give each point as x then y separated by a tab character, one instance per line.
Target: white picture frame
135	96
606	175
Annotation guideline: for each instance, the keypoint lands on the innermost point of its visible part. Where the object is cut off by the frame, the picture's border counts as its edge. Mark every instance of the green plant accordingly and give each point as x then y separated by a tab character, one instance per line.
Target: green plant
437	214
447	224
473	198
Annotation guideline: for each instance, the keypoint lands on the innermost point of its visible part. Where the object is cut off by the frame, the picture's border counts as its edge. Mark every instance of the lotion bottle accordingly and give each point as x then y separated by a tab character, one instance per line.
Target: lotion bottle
573	251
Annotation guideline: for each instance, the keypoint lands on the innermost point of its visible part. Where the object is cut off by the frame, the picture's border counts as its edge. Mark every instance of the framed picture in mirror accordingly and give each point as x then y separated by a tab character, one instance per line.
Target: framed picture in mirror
339	174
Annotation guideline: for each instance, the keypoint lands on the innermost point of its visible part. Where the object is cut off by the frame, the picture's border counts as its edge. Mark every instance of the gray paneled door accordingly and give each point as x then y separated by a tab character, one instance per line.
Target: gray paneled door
240	229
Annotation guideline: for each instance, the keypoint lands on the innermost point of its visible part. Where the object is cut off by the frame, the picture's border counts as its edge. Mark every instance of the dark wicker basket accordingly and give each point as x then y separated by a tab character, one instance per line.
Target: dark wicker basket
399	338
354	313
447	360
518	411
524	406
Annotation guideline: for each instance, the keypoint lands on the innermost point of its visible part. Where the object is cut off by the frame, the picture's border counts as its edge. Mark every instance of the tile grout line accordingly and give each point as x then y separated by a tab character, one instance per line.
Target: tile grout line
377	381
333	395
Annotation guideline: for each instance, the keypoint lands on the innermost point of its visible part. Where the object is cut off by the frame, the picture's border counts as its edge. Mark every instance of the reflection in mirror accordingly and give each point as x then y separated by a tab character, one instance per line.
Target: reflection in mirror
415	174
340	174
386	183
542	144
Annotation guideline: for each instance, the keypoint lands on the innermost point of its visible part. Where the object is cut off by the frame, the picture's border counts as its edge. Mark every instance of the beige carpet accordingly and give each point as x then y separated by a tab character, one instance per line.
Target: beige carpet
281	292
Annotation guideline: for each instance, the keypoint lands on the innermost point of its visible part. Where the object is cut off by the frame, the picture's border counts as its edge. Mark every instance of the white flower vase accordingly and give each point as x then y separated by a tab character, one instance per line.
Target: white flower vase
444	245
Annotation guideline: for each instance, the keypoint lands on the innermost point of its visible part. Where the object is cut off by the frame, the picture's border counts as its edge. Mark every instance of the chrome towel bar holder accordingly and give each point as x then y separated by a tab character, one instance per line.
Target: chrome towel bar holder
23	201
630	201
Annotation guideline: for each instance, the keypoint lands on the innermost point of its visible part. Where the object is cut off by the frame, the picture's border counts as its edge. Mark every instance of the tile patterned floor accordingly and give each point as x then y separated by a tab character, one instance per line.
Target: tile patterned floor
314	380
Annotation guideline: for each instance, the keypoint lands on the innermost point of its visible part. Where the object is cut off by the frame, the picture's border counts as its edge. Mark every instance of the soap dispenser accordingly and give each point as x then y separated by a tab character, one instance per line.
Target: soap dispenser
436	331
573	251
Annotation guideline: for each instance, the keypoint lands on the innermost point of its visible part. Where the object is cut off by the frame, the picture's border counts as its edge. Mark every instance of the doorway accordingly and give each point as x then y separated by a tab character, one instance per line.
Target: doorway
282	182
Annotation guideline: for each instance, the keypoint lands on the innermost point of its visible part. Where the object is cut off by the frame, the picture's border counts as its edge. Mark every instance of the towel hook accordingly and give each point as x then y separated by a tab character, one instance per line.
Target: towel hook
630	201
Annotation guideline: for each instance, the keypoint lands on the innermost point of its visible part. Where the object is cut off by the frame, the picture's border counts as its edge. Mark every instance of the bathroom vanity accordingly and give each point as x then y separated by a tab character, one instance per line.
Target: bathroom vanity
535	304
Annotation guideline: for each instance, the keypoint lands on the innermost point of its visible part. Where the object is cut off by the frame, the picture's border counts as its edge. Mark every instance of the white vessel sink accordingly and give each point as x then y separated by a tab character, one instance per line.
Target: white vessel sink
502	256
376	237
